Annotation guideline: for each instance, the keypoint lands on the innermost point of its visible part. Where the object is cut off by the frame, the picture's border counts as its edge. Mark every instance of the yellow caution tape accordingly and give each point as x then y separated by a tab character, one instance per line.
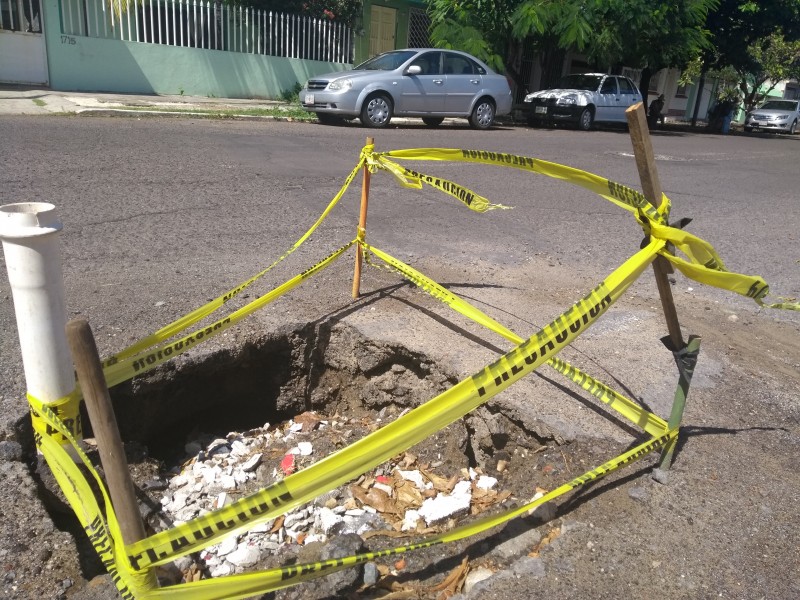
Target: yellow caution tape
126	368
56	423
396	437
414	179
198	314
620	195
68	412
704	265
651	423
331	471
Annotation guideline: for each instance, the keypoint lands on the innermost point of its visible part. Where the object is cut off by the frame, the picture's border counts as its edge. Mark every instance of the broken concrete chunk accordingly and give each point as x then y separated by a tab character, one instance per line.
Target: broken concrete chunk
251	464
446	506
485	482
410	520
416	478
244	555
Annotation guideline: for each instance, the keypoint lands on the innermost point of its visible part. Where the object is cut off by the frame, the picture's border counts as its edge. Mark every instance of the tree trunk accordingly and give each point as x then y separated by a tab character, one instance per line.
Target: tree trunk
644	84
700	85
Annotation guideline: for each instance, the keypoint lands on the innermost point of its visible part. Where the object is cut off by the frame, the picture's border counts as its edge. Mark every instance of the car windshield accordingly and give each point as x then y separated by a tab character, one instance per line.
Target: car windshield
388	61
780	105
579	82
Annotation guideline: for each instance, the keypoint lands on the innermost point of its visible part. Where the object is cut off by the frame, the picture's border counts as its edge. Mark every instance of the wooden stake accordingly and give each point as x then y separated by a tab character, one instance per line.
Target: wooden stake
651	186
104	425
362	226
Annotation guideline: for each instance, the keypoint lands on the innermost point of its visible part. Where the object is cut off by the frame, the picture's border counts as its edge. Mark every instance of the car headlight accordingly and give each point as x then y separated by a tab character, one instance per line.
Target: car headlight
528	98
340	85
781	117
567	100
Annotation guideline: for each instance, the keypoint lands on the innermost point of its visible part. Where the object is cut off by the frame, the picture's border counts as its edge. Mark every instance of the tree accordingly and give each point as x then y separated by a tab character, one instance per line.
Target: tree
481	27
648	34
346	11
773	60
740	31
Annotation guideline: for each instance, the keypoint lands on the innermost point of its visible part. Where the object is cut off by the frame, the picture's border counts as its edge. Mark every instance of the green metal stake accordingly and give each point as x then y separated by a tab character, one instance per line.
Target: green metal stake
686	359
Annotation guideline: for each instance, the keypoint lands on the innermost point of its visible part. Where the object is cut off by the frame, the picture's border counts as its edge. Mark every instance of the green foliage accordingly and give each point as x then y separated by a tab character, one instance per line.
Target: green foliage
480	27
291	95
637	33
772	59
345	11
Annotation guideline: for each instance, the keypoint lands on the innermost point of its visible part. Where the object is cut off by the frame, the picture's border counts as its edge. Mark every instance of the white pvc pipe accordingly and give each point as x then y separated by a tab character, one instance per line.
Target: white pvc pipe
30	233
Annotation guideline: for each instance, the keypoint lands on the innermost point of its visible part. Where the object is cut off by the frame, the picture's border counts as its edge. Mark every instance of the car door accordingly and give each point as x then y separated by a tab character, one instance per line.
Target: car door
463	82
628	93
424	92
608	101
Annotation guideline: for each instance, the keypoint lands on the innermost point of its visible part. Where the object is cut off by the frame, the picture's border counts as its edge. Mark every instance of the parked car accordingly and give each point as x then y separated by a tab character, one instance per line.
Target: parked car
583	99
422	82
775	115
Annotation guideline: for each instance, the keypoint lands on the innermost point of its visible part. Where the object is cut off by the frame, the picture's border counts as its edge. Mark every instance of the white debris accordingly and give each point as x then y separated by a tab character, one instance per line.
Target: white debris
292	518
221	570
179	500
227	546
446	506
384	488
536	496
314	537
328	521
485	482
218	447
410	520
178	482
416	478
212	472
244	556
251	464
239	448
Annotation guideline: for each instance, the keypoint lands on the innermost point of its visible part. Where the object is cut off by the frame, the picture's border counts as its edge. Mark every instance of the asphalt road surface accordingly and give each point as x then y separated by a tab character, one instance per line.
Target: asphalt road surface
161	215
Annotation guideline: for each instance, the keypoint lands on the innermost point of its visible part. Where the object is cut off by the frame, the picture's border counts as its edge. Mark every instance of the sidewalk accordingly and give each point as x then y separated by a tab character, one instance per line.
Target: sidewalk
27	100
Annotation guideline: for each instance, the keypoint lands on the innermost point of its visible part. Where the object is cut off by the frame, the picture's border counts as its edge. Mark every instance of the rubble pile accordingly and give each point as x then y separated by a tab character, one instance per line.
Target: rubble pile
403	497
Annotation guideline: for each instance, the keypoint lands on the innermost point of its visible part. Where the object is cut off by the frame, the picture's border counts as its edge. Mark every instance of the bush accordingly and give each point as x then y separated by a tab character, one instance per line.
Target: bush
291	94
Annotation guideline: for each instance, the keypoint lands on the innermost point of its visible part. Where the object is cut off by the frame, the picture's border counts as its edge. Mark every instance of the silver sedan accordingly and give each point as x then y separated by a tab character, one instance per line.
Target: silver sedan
775	115
421	82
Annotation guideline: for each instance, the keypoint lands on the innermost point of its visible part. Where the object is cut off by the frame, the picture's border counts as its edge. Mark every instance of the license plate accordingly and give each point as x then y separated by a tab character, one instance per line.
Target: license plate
540	110
309	99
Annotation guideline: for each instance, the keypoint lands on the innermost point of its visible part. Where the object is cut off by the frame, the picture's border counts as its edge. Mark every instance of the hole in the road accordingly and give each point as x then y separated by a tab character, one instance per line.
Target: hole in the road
172	417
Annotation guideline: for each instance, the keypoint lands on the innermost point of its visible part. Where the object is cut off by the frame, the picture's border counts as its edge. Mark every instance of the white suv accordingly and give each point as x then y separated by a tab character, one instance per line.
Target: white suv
583	100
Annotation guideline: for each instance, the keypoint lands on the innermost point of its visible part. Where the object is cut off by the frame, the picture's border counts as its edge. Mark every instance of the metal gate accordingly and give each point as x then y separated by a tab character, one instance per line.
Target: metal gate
22	47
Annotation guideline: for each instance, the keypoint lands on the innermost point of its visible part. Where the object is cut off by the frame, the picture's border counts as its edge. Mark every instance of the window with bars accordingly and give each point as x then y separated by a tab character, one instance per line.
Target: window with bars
418	24
21	15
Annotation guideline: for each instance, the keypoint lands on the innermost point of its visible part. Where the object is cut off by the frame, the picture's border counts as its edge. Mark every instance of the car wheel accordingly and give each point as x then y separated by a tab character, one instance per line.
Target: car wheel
327	119
377	111
482	115
432	121
793	127
586	120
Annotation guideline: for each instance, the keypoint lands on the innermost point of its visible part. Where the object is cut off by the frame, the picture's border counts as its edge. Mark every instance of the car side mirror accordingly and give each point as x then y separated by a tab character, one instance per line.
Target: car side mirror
413	70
